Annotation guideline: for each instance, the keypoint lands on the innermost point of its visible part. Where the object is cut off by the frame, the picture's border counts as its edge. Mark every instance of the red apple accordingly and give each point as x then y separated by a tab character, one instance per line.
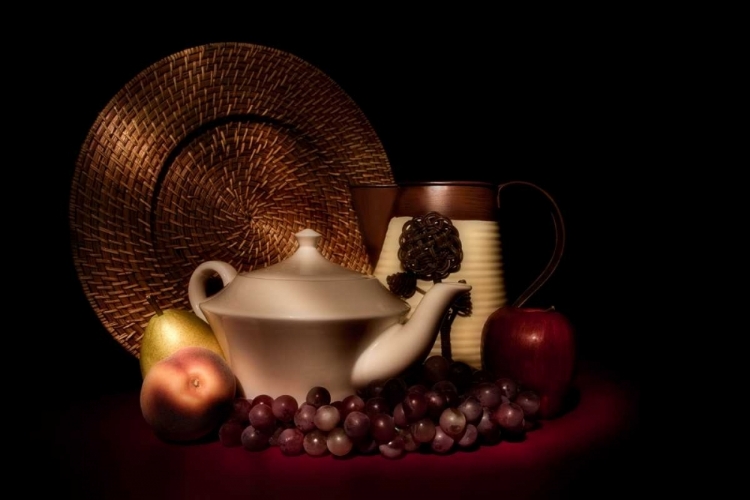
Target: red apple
188	394
536	347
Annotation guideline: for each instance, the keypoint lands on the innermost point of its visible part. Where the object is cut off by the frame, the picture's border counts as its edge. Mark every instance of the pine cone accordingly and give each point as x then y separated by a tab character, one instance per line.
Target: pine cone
430	247
402	284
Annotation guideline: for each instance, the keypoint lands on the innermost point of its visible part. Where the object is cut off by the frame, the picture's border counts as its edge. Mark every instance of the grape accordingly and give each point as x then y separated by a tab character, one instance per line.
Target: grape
315	443
508	387
393	448
448	389
240	410
230	433
470	436
472	409
442	442
382	427
460	374
304	419
529	401
509	416
371	390
420	388
436	403
254	440
423	430
357	425
453	422
318	396
339	405
338	442
412	373
273	440
409	443
351	403
326	418
394	391
262	399
284	407
440	405
435	369
480	376
290	441
488	394
489	431
262	418
414	406
399	418
376	404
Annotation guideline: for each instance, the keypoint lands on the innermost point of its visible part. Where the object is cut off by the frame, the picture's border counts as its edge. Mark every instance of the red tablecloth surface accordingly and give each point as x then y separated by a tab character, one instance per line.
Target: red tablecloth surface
104	449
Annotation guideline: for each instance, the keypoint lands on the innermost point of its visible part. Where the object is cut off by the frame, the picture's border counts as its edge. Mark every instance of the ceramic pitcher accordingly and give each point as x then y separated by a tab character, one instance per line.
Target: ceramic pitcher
473	209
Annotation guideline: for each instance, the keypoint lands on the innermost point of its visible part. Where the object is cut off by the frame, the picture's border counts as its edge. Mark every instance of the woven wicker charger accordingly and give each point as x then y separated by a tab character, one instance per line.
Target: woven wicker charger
222	151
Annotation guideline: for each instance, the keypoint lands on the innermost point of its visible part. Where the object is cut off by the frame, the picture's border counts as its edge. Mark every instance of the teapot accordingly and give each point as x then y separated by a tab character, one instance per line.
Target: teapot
307	322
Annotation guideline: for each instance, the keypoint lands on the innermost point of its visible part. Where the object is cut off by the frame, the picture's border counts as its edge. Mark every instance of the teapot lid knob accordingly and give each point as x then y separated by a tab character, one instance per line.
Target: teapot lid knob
308	238
307	263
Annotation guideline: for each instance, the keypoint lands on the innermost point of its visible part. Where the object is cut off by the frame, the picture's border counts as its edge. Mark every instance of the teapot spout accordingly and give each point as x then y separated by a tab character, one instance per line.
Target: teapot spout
400	345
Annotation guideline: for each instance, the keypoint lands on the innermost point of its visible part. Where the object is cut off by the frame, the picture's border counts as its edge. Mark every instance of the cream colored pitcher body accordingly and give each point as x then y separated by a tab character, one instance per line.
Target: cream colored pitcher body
481	267
473	209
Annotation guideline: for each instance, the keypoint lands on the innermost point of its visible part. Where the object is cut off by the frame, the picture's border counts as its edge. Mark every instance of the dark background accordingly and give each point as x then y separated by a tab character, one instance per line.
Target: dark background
569	110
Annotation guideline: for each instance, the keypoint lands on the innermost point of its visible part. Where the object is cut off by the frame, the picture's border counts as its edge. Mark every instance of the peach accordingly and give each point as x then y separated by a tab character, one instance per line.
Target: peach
188	395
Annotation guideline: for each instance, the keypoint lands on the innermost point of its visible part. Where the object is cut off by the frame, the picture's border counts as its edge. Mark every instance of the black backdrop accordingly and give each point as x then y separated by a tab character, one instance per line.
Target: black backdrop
564	112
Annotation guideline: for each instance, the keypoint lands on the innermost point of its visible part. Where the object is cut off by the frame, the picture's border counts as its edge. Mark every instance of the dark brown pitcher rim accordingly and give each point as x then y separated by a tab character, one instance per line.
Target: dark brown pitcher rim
429	183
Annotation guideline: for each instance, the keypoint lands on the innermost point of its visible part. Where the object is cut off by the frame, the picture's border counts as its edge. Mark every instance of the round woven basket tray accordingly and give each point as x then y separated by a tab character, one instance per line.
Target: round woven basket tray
218	152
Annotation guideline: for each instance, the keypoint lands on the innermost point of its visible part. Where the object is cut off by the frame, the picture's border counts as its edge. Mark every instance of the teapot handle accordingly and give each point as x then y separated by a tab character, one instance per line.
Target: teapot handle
198	280
559	243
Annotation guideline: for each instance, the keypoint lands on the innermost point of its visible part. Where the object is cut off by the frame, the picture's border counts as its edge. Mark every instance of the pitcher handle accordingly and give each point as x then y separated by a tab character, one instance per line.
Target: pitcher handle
557	253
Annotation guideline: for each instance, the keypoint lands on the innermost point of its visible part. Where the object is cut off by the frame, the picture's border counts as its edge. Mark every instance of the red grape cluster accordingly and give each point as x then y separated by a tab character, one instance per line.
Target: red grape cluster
438	405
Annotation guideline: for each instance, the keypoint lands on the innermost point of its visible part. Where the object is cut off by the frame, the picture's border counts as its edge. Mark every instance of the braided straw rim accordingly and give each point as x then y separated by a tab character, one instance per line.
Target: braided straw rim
218	152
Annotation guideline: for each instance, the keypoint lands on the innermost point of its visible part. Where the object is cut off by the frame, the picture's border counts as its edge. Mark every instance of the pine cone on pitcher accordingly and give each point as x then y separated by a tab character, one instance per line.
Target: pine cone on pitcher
430	247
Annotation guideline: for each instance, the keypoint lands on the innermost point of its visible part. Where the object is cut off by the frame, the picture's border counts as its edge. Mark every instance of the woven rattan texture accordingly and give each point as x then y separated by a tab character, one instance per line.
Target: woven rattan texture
218	152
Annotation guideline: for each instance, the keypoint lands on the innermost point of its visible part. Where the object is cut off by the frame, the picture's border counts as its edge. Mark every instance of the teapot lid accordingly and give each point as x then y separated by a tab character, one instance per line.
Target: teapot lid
306	264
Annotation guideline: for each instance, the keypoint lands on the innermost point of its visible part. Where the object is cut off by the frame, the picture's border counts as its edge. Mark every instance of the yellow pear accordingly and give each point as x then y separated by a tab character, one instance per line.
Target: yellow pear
171	329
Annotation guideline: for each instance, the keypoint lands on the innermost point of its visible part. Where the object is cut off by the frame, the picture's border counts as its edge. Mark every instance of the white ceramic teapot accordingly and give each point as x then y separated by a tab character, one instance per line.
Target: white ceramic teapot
308	322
